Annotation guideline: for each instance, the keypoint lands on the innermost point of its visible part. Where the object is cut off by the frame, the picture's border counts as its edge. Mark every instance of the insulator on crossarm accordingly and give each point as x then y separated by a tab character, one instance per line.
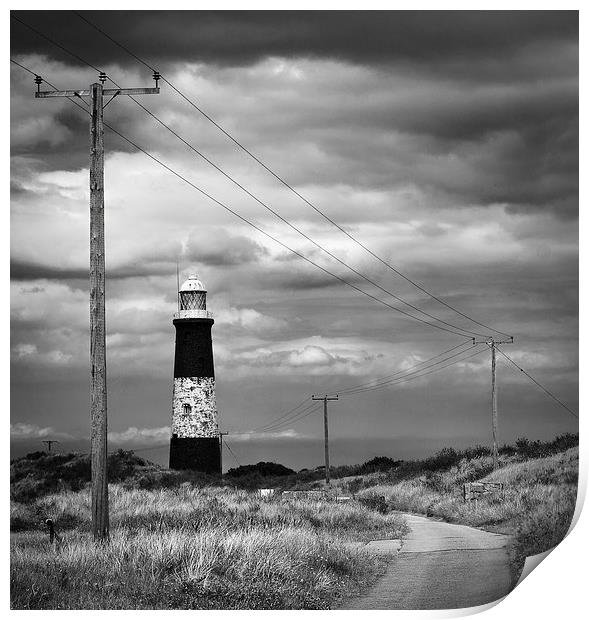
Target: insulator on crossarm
102	77
38	82
156	77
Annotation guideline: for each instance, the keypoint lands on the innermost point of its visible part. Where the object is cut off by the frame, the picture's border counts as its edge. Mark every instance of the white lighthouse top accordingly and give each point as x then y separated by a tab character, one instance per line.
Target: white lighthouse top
193	284
192	300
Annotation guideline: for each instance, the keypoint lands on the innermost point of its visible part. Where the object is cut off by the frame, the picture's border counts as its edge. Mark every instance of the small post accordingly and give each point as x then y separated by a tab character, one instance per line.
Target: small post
326	432
49	524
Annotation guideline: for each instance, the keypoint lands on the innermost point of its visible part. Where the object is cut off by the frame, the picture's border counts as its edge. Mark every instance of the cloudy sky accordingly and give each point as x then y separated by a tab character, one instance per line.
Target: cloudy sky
446	143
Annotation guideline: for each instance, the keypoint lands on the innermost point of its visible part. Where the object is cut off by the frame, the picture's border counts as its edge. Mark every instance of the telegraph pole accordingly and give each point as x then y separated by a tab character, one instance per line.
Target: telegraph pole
49	443
492	343
221	450
98	417
325	430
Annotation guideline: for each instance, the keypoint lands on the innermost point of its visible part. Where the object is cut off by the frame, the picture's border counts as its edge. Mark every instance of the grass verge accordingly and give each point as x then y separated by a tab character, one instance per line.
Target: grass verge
191	548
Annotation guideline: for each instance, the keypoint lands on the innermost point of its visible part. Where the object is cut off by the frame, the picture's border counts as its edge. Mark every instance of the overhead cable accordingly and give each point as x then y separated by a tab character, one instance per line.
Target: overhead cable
285	183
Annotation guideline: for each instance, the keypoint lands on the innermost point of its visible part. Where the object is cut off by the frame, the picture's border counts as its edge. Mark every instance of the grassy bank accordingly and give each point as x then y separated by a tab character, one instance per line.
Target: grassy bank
193	548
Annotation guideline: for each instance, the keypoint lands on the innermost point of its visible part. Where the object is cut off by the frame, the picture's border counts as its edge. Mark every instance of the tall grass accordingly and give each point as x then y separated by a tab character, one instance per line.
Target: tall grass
195	548
253	568
185	541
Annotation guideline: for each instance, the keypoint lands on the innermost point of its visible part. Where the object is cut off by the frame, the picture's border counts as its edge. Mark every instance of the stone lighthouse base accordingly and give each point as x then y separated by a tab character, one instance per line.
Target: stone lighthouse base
196	453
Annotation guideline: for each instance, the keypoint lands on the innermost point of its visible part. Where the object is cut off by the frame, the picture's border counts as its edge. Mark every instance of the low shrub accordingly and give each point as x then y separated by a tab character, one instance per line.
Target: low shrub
375	502
263	469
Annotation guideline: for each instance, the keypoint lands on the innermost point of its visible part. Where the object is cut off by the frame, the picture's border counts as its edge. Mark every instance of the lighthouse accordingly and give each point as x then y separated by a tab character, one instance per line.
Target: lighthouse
195	429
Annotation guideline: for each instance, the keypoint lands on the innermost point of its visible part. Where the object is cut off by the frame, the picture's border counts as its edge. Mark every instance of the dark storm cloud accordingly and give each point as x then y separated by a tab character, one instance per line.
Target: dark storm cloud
238	38
16	189
218	248
491	97
26	271
73	151
34	271
213	248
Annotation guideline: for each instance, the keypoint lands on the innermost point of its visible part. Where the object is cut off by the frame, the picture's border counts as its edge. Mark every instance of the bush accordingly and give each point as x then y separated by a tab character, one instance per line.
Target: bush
527	449
378	463
33	456
40	473
444	459
262	468
354	485
375	502
123	464
476	452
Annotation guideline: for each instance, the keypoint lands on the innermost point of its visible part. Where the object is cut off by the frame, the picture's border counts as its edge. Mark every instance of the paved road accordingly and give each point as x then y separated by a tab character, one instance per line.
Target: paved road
440	566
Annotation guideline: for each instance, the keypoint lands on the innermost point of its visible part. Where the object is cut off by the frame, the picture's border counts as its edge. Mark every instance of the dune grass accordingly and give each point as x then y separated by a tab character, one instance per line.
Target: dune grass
184	541
195	549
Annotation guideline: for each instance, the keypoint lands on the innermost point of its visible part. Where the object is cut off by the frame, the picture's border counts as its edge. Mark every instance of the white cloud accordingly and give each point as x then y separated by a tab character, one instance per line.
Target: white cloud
24	350
311	356
249	319
29	353
22	430
141	435
251	436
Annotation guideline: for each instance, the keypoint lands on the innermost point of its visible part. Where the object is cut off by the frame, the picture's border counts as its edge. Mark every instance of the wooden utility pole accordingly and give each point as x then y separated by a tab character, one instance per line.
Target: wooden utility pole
98	417
325	430
221	448
492	343
49	443
494	404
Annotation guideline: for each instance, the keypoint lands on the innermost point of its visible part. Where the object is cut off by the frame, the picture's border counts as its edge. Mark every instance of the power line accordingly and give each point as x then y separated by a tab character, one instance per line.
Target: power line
538	384
232	454
158	447
419	376
285	183
246	221
407	373
272	237
275	213
25	68
310	409
343	390
277	424
281	416
75	101
295	228
44	36
299	414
